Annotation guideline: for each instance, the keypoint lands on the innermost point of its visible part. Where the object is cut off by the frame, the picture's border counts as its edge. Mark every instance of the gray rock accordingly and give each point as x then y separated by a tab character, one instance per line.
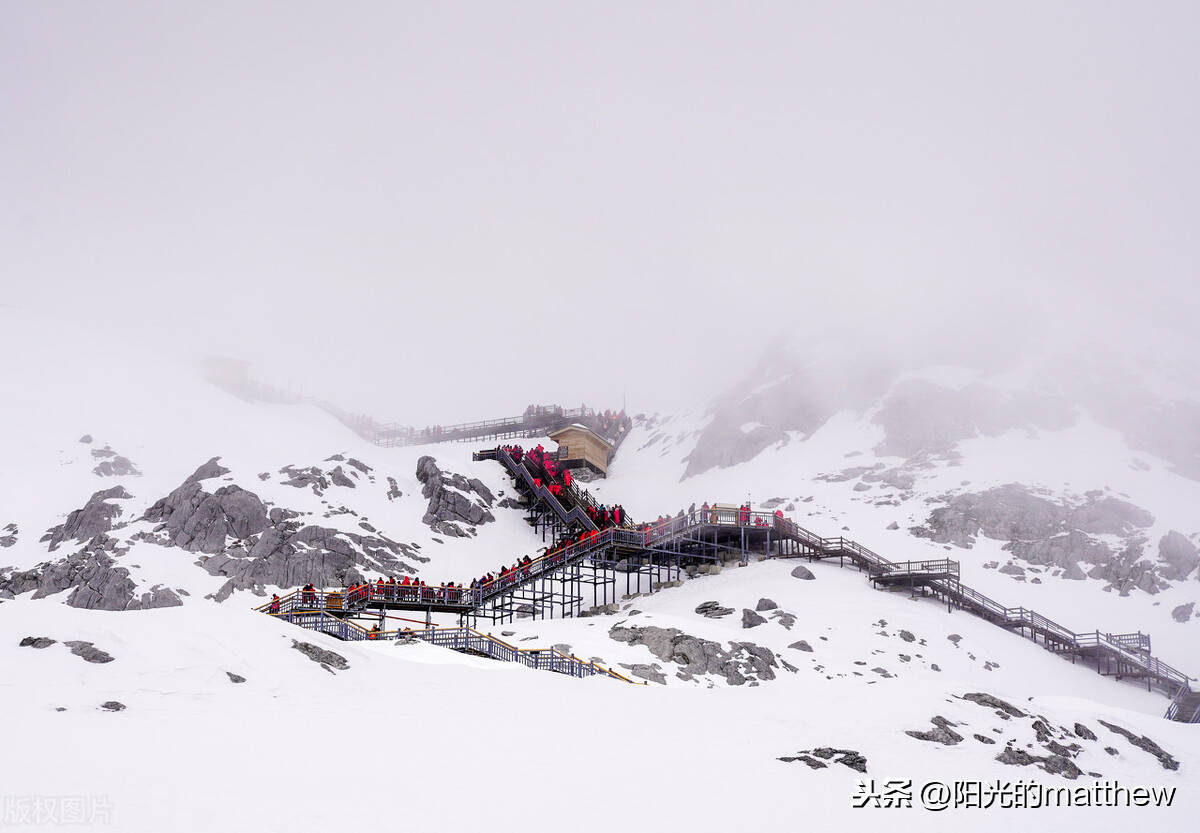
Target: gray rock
308	478
1012	570
275	548
117	466
698	657
1084	732
764	605
862	487
94	518
750	619
893	525
941	733
327	659
453	499
802	645
1016	757
339	478
907	636
983	739
208	470
785	619
646	672
1183	612
713	610
1144	743
37	642
802	572
113	706
988	701
86	439
812	762
393	491
1061	765
235	678
93	577
1178	555
88	652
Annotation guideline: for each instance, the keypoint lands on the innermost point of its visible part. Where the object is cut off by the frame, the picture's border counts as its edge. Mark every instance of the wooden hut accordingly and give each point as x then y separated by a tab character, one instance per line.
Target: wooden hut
584	447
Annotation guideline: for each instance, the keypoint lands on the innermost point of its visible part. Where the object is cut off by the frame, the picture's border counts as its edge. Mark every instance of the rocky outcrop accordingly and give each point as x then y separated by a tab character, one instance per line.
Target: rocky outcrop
1058	534
88	652
95	518
742	662
8	535
328	660
713	610
1144	743
236	535
940	733
113	464
1183	612
37	642
208	470
454	500
92	576
306	478
198	521
1177	556
750	619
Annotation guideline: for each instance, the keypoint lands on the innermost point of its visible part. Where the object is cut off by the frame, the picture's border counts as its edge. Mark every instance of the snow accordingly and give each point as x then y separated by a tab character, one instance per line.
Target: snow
450	739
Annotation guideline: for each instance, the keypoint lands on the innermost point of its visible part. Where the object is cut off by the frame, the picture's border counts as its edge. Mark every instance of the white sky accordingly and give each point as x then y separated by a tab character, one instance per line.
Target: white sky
387	202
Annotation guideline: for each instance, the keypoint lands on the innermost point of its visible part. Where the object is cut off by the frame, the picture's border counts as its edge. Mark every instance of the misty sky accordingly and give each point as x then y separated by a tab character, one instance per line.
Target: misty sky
399	205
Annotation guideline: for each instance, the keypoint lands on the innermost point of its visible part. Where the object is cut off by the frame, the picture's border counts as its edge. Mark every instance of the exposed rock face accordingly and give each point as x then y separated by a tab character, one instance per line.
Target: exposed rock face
285	554
96	581
37	642
988	701
1144	743
239	539
198	521
697	657
210	469
1043	532
453	499
88	652
750	619
1178	555
940	733
96	517
308	478
328	660
9	535
713	610
113	464
846	757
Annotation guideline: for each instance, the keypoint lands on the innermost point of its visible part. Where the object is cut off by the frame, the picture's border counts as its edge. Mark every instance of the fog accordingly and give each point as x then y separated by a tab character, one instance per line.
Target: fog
440	212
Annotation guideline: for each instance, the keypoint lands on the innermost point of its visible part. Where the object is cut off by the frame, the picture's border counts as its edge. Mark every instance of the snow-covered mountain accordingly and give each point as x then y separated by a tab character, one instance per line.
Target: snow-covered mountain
144	512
